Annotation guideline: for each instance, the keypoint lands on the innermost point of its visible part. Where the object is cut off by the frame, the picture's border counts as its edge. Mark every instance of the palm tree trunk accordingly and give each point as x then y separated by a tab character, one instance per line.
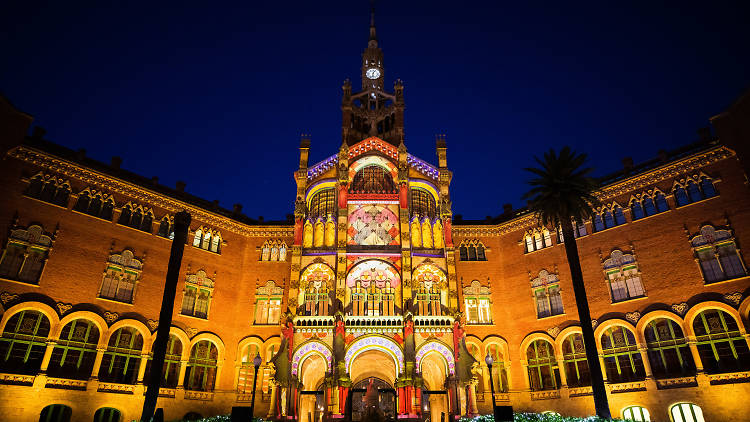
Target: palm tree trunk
601	402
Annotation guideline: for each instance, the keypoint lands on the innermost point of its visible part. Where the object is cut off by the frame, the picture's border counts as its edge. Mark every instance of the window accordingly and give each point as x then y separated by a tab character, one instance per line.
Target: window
74	355
472	250
96	204
166	227
23	343
721	346
201	368
668	351
499	372
623	276
686	412
537	239
428	279
694	189
137	217
316	281
25	254
268	303
636	414
373	179
717	255
273	250
197	295
49	189
609	217
477	303
56	413
247	370
120	277
171	369
647	204
579	230
208	240
422	203
542	366
323	204
574	361
107	414
122	357
546	289
622	360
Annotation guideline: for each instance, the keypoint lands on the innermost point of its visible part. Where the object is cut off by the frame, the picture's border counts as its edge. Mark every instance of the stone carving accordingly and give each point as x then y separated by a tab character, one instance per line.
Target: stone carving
7	297
594	323
553	331
63	307
111	317
191	331
680	308
734	298
633	316
152	324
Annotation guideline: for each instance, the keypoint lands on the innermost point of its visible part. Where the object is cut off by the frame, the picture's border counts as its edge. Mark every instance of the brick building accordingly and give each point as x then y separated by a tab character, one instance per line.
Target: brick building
372	280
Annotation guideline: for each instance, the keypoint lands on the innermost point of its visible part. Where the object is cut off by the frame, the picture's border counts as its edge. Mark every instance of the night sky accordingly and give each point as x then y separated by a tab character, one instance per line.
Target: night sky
217	94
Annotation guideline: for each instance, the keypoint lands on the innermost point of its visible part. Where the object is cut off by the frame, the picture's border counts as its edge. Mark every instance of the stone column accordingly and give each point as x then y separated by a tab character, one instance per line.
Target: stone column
646	362
97	363
272	404
47	356
142	367
604	368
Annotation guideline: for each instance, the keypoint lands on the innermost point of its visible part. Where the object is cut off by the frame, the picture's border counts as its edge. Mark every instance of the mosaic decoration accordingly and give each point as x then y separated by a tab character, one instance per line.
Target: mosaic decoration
430	275
152	324
63	307
373	271
633	316
734	298
680	308
304	351
126	260
553	331
545	279
110	317
436	346
710	235
318	274
476	289
384	344
270	289
7	297
199	279
372	224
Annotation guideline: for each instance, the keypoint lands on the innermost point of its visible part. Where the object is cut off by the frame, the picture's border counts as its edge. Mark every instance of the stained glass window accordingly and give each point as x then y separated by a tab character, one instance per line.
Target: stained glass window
323	203
74	355
23	343
423	203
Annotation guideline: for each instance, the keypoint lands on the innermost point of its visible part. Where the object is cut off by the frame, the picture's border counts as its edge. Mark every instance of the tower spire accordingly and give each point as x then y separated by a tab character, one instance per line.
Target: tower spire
373	42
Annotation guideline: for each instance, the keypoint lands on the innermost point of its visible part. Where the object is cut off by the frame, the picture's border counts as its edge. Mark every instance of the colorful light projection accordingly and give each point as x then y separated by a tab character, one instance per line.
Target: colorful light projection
440	348
372	224
307	349
429	275
373	271
375	342
318	274
371	160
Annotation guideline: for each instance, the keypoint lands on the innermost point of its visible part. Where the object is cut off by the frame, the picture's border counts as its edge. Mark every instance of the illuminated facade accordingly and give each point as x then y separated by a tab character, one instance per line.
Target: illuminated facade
372	278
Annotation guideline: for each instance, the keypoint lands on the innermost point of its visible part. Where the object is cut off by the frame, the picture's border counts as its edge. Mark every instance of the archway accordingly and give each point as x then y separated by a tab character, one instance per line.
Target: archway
376	365
434	395
311	405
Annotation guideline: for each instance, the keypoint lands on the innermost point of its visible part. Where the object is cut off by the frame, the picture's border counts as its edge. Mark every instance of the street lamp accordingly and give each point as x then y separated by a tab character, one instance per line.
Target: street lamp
488	361
256	363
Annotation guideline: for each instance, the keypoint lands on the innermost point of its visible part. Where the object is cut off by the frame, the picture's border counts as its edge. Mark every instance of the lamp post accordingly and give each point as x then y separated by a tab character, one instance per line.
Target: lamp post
256	363
488	361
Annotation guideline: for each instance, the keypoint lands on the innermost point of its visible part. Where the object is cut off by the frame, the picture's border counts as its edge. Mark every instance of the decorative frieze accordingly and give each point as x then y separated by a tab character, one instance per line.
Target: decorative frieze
110	387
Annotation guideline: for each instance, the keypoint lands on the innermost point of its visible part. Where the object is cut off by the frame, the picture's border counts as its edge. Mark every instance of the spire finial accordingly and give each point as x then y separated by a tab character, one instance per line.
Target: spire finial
373	36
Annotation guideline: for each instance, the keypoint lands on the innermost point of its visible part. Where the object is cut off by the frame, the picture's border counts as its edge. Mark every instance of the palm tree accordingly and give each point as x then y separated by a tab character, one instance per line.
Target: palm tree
560	193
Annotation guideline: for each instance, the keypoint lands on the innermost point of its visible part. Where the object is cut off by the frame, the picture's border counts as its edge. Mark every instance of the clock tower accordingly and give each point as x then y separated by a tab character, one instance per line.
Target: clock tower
373	111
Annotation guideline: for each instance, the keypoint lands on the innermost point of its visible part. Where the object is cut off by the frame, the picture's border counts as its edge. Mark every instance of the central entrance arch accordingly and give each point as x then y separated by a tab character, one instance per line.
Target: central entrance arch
377	358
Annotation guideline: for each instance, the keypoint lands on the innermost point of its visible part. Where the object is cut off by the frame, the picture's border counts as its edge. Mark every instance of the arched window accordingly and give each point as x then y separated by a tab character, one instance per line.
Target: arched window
198	238
694	193
707	187
609	220
477	303
122	357
82	204
636	414
282	252
120	277
619	216
542	365
165	228
96	206
107	209
74	355
268	303
107	414
661	202
197	295
574	361
201	368
171	369
622	359
546	290
598	223
717	255
247	370
23	343
721	346
499	372
680	196
422	203
636	210
56	413
125	214
25	254
686	412
323	203
648	206
35	186
136	219
206	240
668	351
215	244
372	179
623	276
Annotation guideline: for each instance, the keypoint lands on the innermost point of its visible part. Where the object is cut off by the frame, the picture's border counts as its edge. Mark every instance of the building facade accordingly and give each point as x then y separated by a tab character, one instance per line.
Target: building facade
373	280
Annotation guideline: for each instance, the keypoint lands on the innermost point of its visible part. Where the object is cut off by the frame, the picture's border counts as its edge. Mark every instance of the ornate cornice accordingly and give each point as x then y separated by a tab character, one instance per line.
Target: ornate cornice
133	191
635	183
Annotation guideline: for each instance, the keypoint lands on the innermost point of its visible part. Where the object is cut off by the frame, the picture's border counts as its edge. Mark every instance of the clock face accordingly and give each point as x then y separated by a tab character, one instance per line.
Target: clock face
372	73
